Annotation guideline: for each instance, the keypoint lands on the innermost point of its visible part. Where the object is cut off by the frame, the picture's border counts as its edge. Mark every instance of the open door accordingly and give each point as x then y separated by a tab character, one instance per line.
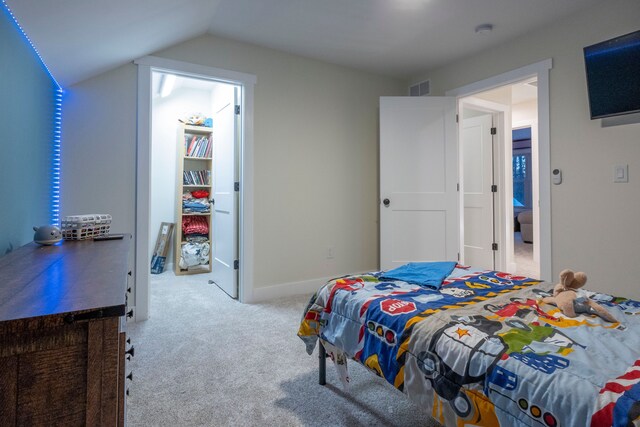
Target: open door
418	180
477	154
225	197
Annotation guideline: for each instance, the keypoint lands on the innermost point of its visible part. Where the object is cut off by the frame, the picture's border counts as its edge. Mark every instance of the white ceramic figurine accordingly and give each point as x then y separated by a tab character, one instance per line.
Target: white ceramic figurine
47	235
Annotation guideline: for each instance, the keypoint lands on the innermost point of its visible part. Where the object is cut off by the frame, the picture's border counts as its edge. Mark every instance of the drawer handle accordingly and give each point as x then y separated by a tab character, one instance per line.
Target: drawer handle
92	315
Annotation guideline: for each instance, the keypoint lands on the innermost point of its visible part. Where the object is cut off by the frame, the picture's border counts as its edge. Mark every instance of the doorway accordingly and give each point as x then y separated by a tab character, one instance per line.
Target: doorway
499	171
208	108
146	66
413	228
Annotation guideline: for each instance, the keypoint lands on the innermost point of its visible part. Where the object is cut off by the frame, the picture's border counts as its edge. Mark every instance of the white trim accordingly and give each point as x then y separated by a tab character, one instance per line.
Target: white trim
283	290
503	79
143	199
544	170
220	74
541	70
267	293
143	170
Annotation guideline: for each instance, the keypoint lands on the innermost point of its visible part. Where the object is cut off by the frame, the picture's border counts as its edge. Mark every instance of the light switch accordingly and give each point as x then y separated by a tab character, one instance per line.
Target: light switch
621	173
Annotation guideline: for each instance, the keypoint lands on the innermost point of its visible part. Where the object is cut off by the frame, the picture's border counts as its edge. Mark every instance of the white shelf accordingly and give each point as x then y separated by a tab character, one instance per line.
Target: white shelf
199	129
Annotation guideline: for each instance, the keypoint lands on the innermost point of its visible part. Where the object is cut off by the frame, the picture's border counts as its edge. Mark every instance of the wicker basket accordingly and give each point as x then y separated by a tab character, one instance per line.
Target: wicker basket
82	227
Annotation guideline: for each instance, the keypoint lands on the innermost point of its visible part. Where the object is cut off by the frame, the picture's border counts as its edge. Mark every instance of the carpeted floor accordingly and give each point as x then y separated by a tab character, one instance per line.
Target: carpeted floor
203	359
523	254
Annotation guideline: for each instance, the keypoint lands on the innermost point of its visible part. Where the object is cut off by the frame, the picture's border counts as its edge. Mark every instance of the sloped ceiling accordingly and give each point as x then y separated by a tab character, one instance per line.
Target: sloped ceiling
82	38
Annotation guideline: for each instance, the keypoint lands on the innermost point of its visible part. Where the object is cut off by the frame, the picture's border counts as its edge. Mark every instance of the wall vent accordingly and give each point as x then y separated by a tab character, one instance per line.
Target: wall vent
420	89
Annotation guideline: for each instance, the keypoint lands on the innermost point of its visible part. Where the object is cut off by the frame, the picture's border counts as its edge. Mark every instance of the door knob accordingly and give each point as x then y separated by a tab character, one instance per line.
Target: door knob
386	202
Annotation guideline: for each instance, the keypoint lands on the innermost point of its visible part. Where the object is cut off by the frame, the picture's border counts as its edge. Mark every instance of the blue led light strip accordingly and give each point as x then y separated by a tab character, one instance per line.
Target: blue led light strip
54	215
6	6
55	160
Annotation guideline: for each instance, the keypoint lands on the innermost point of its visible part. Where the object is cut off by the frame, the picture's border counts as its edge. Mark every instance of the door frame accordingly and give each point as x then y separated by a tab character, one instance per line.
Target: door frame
501	115
146	66
540	70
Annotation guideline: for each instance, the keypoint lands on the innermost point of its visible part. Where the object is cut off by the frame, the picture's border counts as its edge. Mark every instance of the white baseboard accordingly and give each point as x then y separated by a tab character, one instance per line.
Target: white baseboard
267	293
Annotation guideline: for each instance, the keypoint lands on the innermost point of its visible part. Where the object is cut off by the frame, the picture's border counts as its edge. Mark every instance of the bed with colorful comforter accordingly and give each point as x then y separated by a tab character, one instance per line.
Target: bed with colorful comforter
482	349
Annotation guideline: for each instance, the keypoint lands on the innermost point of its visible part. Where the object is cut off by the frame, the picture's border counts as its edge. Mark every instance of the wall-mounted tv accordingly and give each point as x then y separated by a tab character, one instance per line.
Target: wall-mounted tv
613	76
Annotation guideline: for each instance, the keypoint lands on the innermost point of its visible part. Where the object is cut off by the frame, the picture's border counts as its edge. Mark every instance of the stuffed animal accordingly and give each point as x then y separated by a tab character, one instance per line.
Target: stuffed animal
565	297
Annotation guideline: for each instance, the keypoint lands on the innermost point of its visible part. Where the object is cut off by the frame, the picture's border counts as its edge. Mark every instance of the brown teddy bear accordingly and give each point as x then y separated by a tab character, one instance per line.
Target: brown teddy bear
565	297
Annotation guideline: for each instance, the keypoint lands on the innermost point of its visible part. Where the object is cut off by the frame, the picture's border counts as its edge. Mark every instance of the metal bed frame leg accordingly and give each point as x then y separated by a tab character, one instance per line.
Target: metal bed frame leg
322	360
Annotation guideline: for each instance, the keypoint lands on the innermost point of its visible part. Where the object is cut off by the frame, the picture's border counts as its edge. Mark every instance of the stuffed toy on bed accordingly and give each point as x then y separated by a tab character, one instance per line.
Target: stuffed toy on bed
565	297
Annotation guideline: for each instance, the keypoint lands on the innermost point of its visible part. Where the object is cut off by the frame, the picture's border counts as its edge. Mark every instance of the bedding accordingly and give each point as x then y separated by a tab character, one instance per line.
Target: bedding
484	350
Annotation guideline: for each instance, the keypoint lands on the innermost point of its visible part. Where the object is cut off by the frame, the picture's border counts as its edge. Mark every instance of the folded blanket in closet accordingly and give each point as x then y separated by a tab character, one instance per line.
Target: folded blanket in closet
195	205
195	225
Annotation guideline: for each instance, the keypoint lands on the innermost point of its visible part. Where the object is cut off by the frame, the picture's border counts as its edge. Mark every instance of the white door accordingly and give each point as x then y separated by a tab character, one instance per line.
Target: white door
418	180
477	179
225	198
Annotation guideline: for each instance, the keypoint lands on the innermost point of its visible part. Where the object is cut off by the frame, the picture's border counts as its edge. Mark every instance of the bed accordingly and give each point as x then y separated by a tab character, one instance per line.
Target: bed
481	348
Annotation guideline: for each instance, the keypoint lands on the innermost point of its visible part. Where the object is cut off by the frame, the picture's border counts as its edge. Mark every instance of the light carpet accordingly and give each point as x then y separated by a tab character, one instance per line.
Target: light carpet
523	254
203	359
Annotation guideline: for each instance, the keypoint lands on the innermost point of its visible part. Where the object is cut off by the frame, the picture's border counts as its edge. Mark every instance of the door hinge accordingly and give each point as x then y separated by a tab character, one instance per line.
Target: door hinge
458	186
494	131
236	264
456	118
494	188
237	109
236	186
494	246
458	256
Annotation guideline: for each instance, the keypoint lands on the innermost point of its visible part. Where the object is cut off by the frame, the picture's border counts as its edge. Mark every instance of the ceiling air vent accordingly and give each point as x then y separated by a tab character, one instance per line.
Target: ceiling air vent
420	89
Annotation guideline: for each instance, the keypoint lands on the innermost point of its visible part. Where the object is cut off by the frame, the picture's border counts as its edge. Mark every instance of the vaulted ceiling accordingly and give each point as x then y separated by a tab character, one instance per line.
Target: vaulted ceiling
82	38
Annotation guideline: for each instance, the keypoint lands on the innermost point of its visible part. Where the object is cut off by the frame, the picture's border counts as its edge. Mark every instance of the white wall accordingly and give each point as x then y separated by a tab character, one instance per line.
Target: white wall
98	148
594	221
315	147
524	112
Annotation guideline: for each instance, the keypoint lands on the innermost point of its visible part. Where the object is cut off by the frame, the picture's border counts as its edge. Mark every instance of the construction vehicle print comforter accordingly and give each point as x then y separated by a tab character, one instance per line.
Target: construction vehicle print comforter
483	349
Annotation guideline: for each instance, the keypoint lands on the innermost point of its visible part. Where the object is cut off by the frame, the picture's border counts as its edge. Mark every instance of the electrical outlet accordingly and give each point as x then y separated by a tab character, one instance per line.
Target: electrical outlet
330	252
621	173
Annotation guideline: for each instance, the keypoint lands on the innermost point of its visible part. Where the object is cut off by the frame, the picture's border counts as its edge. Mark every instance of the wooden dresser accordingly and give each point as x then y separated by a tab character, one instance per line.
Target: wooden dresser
62	334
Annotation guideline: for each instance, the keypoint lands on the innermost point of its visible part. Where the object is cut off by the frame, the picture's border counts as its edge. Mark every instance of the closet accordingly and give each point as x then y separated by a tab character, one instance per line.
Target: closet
194	175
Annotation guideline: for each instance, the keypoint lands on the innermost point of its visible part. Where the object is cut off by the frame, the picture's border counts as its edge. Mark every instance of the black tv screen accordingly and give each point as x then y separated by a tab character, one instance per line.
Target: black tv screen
613	76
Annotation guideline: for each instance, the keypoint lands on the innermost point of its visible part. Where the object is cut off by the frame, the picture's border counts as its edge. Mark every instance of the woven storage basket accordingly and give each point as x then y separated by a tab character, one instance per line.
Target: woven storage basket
82	227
